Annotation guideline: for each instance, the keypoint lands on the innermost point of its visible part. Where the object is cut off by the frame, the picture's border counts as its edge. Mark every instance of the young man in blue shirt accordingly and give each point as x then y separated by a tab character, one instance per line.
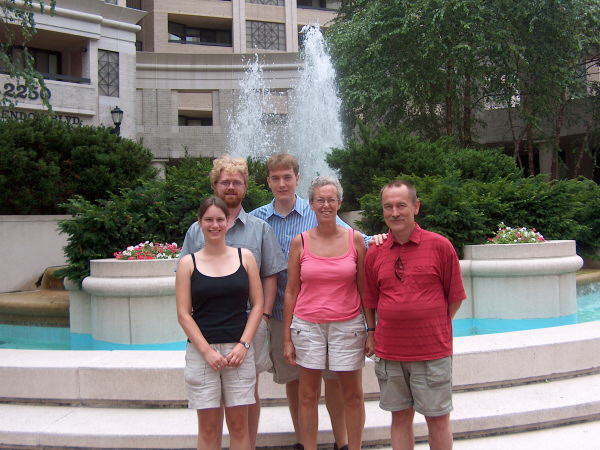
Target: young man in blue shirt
289	215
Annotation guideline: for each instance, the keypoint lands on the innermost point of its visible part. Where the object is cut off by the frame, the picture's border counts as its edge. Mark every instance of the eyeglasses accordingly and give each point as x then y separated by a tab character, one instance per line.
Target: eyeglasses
399	269
322	201
226	183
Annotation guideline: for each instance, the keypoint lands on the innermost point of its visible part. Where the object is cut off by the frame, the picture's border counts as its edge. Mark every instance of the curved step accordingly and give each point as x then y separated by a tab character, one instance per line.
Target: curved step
476	413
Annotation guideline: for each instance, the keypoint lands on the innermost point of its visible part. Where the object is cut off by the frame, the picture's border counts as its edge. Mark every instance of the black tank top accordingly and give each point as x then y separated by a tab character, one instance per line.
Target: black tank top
219	304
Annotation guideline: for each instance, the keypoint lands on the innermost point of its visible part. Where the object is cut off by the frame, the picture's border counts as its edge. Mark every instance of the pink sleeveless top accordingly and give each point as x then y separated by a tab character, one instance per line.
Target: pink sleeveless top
328	291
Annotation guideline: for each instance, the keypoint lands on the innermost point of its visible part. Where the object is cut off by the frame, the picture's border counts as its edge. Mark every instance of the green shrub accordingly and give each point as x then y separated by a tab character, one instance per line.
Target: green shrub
158	210
44	162
388	153
258	170
468	211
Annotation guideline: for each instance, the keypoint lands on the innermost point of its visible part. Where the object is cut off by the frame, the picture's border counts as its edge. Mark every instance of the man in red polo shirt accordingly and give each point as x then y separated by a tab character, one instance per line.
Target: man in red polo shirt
413	282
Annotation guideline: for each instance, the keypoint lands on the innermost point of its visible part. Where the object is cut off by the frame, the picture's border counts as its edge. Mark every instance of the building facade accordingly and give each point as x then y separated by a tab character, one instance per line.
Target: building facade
174	68
86	53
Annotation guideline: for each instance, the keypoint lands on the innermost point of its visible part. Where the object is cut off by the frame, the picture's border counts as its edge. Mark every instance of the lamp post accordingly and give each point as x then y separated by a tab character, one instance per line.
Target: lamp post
117	118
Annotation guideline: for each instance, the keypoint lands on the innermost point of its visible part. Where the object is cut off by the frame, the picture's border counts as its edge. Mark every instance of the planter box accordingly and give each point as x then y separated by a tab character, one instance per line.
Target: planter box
128	302
520	281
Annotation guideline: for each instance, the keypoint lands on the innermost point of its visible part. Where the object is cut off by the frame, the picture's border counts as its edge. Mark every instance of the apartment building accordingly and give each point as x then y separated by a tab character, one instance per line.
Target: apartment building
86	53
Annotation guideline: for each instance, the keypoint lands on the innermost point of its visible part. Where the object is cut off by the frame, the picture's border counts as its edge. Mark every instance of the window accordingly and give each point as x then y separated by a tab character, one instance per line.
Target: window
274	118
268	2
265	35
44	61
182	34
319	4
135	4
187	121
108	73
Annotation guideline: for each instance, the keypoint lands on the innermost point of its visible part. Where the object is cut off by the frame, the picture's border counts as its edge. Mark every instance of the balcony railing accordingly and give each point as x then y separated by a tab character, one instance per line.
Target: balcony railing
309	5
67	78
57	77
212	44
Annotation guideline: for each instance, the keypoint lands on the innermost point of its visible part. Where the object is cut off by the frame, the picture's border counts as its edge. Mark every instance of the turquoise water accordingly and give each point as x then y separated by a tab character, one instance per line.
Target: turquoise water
588	310
50	338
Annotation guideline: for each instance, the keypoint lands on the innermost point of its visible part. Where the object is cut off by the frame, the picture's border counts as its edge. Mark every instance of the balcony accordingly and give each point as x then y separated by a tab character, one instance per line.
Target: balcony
324	5
180	33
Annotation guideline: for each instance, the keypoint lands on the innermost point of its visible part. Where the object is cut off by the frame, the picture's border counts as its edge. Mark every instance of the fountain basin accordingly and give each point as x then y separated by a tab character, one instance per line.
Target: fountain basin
507	287
127	302
520	281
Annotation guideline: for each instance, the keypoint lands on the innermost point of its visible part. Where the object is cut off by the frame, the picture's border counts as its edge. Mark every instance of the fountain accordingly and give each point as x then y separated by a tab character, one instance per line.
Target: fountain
249	133
313	121
314	125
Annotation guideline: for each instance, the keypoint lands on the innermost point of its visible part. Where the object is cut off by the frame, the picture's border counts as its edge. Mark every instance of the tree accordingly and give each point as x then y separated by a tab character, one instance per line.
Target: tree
17	26
416	63
435	65
541	64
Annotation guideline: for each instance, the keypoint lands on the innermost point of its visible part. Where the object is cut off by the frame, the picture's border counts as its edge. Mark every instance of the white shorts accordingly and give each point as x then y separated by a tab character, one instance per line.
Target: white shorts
206	388
283	372
338	346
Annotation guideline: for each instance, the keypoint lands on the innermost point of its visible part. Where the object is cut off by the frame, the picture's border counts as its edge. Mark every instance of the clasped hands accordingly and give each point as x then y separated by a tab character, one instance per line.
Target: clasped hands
235	358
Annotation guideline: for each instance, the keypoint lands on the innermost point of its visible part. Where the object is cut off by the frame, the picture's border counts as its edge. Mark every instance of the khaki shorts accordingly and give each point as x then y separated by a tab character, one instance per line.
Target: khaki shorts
261	348
283	372
340	346
206	388
424	385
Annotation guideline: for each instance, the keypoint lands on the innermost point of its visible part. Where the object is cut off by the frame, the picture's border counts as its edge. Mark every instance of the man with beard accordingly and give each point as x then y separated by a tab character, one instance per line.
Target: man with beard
229	179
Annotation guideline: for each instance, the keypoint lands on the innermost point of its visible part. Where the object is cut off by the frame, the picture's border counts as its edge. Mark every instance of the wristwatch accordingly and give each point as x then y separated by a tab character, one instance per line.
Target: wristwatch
245	344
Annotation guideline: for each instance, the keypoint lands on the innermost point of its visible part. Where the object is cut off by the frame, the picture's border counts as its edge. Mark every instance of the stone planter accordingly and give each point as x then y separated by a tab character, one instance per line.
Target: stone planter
520	281
131	302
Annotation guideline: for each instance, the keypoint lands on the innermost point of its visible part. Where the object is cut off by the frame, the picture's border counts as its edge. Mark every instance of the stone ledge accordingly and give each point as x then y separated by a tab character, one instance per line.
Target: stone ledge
134	377
35	303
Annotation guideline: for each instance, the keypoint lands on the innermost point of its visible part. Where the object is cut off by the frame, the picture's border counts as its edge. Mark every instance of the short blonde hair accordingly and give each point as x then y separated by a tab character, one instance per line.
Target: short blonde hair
230	165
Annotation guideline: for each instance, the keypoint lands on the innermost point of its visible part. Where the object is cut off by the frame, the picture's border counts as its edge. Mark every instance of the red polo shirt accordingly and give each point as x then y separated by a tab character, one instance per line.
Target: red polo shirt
414	321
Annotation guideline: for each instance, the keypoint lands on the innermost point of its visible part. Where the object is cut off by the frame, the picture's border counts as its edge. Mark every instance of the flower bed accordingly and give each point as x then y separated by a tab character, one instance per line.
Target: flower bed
149	250
509	235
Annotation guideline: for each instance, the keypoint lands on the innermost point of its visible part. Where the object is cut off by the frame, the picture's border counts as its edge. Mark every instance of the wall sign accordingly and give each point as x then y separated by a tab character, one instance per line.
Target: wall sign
22	115
23	93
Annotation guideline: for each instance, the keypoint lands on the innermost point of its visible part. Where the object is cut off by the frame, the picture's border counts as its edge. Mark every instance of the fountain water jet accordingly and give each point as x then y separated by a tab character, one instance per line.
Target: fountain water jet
249	134
313	120
314	125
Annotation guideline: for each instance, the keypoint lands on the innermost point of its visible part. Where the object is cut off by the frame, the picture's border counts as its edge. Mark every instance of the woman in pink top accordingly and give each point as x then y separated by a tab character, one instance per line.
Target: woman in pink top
322	320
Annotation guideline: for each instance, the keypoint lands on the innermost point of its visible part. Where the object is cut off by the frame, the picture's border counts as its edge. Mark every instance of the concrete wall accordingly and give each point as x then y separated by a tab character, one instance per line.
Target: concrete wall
30	244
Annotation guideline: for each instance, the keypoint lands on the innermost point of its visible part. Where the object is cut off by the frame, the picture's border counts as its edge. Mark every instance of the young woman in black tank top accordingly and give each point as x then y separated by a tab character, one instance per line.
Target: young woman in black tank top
212	287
